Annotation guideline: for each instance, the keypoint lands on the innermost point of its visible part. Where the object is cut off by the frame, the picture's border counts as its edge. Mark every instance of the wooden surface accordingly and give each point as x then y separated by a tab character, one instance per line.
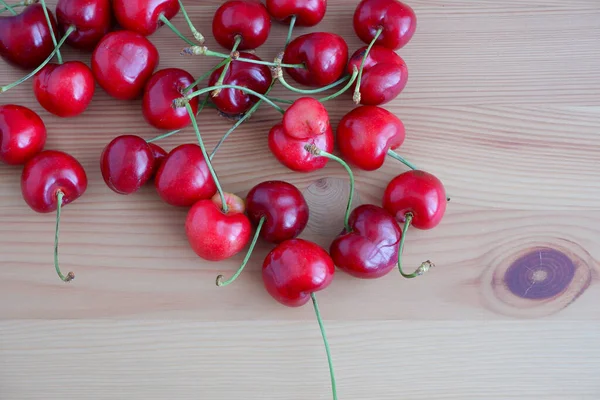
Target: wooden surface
503	104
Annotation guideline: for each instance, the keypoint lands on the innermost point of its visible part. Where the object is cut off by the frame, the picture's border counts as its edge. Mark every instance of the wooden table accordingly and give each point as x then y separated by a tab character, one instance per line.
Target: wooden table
503	104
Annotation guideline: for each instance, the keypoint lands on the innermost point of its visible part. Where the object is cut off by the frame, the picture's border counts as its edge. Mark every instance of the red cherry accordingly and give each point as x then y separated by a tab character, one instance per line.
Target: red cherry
384	74
295	269
324	55
365	135
157	105
143	16
370	250
184	178
22	134
65	90
247	19
25	39
306	118
215	235
291	152
282	205
92	18
396	19
48	173
127	164
252	76
159	154
123	62
418	193
307	12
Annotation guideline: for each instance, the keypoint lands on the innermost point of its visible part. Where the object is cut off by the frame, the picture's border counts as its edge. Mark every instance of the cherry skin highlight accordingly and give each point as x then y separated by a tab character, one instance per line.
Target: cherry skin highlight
396	19
247	19
127	164
307	12
142	16
159	155
92	18
22	134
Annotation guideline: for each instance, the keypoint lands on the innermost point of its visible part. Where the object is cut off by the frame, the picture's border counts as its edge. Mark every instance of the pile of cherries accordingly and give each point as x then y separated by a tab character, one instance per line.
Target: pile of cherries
219	224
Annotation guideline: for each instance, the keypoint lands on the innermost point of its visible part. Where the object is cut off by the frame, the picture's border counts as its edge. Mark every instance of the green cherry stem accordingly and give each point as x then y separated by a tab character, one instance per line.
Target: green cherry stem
290	30
424	267
206	75
224	206
238	40
171	133
197	35
204	51
220	278
397	156
8	7
326	343
356	96
42	65
285	84
183	100
58	55
70	276
342	90
311	148
176	31
283	101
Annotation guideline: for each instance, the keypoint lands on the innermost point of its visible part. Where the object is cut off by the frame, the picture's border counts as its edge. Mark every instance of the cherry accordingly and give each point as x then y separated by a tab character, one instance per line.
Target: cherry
370	249
216	235
395	20
184	178
291	151
22	134
92	18
366	135
384	74
123	62
306	118
65	90
157	104
25	40
144	16
159	154
127	163
252	76
306	12
241	24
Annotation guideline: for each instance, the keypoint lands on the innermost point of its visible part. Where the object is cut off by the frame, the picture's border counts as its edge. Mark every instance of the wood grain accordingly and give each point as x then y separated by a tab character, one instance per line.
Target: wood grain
503	104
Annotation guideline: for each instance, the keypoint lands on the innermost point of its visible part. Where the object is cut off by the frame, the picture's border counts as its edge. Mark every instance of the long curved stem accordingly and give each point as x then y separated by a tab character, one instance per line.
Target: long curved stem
205	75
220	278
282	101
290	30
285	84
8	7
197	35
70	276
342	90
396	156
176	31
42	65
238	40
424	267
204	51
171	133
326	343
356	96
58	55
183	100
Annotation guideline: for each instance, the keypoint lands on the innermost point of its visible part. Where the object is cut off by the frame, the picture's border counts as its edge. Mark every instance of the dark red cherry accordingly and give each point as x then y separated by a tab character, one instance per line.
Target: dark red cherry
370	249
127	164
22	134
324	55
143	16
159	156
396	19
123	62
282	205
365	135
25	39
290	151
247	19
384	74
307	12
252	76
92	18
157	105
65	90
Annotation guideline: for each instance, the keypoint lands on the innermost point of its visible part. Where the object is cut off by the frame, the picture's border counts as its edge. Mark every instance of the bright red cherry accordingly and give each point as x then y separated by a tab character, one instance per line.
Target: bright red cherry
252	76
215	235
306	118
307	12
22	134
159	156
290	151
65	90
370	250
123	62
418	193
143	16
92	18
25	39
365	135
323	54
157	105
282	205
396	19
384	74
247	19
127	164
295	269
184	178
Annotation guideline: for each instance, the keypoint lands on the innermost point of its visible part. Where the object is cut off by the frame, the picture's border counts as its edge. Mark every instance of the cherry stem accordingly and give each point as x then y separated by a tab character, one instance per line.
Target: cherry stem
238	40
70	276
397	156
205	75
290	30
308	91
224	206
342	90
176	31
220	278
356	96
58	55
171	133
283	101
326	343
204	51
197	35
9	7
311	148
184	100
424	267
42	65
